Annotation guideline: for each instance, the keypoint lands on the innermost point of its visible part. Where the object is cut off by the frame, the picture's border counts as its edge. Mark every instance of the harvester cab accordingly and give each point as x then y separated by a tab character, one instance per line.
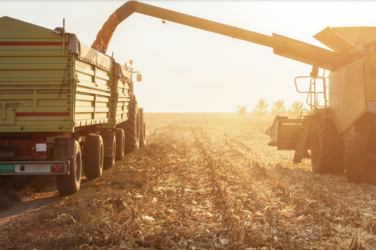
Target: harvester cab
342	115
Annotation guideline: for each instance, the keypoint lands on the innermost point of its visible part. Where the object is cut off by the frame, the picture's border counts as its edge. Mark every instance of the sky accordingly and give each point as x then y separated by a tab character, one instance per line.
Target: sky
190	70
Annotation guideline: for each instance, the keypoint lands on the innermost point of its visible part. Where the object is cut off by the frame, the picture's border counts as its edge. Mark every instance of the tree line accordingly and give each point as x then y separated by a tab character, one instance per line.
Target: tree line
278	108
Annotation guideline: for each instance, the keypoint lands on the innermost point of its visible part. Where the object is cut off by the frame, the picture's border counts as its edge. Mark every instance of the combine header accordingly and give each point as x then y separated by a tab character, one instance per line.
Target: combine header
340	130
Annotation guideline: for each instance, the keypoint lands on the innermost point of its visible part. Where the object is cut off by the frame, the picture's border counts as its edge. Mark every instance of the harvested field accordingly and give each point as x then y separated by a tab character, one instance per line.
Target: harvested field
198	187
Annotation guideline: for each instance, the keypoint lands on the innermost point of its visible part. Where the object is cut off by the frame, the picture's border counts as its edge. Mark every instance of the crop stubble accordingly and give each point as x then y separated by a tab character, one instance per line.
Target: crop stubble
212	188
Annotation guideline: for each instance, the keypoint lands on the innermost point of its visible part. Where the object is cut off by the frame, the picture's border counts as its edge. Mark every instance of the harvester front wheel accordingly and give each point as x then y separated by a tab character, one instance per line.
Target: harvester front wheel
142	128
358	167
93	156
327	148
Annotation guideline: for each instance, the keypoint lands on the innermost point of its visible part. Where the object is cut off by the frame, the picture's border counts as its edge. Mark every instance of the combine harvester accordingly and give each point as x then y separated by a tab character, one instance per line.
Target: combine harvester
66	109
340	130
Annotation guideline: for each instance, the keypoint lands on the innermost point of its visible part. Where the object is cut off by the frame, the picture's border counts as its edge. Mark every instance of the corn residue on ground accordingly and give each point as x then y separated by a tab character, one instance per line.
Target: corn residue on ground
204	188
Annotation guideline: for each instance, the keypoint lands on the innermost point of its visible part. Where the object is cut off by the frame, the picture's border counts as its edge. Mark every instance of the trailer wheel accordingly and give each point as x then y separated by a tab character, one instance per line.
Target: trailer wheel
142	128
132	129
120	143
358	167
109	138
327	148
93	156
69	184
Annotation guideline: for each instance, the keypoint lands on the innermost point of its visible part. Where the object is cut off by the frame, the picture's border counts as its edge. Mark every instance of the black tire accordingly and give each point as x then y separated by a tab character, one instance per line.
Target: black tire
110	141
327	148
93	156
120	144
358	167
70	184
142	128
131	129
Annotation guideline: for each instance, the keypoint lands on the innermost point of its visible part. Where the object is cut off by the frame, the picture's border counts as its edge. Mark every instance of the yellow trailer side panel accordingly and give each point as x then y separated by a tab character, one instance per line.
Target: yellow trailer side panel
120	96
92	95
42	87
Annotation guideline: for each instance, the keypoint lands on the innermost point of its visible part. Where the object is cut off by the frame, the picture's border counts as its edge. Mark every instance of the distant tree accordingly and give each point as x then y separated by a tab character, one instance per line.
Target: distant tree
278	108
295	108
261	107
242	110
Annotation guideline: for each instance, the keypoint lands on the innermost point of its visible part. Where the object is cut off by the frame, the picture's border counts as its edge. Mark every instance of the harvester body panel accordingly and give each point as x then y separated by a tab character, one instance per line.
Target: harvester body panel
347	94
370	79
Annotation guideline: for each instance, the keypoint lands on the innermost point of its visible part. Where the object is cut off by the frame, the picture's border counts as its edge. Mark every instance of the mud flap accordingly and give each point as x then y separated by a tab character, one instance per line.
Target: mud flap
63	149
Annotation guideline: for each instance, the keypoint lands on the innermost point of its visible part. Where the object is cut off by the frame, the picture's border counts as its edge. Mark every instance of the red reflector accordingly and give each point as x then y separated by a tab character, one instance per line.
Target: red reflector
57	168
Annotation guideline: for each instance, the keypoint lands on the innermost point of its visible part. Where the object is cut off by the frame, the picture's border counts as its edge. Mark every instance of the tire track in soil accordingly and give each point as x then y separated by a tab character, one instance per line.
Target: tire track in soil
241	200
29	205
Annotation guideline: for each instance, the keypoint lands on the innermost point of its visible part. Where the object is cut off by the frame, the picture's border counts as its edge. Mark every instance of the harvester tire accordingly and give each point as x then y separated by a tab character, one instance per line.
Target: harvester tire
358	167
327	148
93	156
110	141
142	128
120	144
132	129
70	184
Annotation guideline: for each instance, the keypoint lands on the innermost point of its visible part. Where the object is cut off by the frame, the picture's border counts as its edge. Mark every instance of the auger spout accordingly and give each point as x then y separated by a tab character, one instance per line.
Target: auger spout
281	45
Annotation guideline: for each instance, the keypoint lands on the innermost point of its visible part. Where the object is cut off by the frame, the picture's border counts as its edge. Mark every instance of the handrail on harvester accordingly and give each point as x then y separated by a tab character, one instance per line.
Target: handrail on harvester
283	46
313	101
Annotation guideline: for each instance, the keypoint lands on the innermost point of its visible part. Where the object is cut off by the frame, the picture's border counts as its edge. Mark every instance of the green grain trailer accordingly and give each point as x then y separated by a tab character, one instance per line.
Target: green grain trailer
65	107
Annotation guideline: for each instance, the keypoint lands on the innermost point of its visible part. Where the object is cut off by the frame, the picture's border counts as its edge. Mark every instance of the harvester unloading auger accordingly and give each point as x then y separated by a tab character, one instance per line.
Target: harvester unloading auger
340	131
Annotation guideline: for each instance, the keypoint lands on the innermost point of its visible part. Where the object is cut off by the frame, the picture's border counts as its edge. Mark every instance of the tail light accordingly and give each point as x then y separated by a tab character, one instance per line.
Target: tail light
57	168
